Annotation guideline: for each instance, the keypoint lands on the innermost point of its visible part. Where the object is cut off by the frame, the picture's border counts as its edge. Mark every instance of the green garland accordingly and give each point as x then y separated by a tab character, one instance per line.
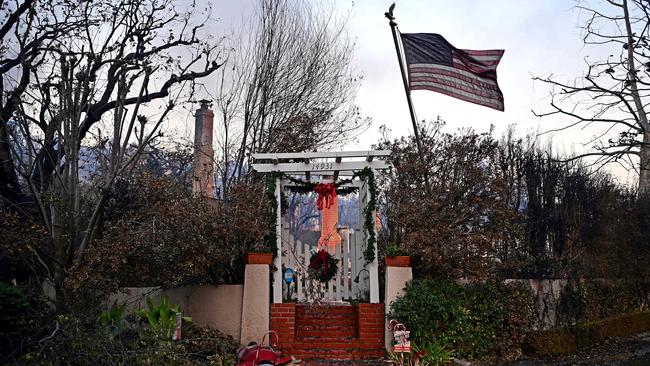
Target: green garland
272	237
369	220
306	187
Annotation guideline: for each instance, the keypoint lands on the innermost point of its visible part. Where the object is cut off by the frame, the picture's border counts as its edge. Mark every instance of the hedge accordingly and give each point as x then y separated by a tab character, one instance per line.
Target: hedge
560	342
477	321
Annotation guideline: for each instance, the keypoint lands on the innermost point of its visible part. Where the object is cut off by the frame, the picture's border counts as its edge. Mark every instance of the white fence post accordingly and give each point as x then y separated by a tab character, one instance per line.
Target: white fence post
277	276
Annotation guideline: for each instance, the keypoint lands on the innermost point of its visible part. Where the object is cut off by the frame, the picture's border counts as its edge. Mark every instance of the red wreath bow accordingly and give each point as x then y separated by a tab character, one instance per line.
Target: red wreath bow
326	195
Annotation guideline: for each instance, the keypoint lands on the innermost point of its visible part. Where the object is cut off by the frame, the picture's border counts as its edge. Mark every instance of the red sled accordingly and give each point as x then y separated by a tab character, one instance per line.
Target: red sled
259	355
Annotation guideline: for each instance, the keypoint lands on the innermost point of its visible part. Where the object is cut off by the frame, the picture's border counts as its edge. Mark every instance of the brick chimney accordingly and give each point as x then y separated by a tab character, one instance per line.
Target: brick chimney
203	170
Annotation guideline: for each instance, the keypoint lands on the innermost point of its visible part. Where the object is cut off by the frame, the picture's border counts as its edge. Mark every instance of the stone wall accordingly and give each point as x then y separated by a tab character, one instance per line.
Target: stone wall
548	296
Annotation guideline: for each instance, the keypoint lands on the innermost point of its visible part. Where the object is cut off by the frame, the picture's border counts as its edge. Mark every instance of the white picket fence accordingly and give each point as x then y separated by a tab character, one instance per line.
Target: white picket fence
351	281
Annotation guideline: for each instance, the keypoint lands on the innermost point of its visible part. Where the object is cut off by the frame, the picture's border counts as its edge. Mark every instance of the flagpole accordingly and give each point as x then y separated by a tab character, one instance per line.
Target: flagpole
393	26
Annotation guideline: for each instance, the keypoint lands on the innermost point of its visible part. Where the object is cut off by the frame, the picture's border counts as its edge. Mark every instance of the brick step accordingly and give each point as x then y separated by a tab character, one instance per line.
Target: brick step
326	319
317	340
335	344
325	323
326	326
334	324
325	310
324	313
319	362
335	355
325	316
327	333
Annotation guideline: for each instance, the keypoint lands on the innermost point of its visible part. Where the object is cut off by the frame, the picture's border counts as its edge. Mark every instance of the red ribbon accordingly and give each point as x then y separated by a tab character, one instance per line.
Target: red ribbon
326	195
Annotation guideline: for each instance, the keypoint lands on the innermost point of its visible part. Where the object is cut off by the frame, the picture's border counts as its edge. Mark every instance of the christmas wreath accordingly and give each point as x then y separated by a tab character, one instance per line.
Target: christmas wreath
323	265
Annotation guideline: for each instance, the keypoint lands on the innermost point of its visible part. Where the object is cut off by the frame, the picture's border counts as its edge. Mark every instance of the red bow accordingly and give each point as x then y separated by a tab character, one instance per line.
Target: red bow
326	194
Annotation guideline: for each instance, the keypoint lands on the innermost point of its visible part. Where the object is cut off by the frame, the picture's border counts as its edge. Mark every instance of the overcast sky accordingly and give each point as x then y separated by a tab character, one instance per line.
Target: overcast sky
540	37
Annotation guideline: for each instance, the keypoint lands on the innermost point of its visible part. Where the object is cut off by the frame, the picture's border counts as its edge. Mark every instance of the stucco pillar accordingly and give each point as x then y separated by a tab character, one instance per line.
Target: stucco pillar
255	306
396	279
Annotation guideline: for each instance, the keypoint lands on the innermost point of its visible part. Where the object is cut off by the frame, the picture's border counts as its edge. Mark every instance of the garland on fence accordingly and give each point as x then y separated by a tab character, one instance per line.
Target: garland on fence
323	265
303	187
368	213
272	237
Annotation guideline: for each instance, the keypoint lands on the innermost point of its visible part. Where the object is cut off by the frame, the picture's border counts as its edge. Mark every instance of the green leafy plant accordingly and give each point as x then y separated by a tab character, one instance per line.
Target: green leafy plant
433	354
113	318
393	250
162	317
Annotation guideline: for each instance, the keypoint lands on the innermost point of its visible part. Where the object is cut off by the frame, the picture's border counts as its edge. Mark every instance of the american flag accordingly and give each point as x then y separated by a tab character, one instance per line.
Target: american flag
434	64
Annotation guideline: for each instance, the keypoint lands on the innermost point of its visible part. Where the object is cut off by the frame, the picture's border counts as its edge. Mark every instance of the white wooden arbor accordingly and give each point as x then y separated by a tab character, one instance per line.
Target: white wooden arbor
321	167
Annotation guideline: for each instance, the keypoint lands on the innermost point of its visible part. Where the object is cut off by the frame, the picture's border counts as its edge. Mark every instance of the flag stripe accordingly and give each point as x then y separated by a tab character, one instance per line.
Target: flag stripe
434	64
444	74
460	84
494	94
484	53
491	65
468	97
427	68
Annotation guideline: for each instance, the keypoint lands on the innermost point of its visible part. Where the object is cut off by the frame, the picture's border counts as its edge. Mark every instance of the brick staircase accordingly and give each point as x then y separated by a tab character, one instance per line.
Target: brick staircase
331	335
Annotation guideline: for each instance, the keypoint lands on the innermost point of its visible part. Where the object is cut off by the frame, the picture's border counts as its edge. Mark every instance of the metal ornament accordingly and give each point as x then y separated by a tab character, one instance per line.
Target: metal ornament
288	275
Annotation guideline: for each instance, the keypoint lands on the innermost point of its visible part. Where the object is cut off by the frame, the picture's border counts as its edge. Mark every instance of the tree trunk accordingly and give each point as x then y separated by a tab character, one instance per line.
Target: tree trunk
644	167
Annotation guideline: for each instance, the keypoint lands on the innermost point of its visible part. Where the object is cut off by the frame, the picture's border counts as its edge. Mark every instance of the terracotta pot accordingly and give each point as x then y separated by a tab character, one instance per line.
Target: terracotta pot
259	258
398	261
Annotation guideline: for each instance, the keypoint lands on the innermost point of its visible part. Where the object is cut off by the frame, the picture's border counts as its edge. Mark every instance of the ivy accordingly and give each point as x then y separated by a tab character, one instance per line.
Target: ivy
306	187
271	236
369	220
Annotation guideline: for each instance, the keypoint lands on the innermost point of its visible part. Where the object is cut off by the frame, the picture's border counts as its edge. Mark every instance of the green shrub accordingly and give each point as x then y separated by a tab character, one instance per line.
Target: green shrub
77	342
23	316
595	299
559	342
601	299
14	303
551	343
476	321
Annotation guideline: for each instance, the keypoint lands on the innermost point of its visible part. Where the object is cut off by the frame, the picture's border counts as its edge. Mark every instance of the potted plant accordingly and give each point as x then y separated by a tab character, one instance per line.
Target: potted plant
396	256
259	254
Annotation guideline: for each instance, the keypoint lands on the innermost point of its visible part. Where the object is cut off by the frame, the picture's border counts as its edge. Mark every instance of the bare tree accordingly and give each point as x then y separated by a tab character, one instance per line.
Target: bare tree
613	93
120	66
292	86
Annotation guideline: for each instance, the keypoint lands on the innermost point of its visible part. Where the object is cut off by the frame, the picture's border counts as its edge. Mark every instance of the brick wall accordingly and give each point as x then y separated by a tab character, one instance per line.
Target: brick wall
371	324
283	321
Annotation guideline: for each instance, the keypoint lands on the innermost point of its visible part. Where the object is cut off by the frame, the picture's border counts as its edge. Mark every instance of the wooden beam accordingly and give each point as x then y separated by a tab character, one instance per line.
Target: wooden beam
355	183
322	154
319	166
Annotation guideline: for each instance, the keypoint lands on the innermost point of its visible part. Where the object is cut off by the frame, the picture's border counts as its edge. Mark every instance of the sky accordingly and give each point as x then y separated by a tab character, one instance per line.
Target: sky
540	38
